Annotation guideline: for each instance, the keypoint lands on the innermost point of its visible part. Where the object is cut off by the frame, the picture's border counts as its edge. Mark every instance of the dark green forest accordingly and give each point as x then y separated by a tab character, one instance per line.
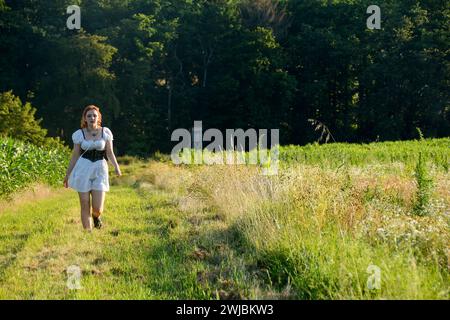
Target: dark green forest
154	66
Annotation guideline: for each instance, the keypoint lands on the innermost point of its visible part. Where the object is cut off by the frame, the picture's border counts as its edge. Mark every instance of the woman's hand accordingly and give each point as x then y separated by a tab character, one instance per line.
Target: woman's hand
118	172
66	183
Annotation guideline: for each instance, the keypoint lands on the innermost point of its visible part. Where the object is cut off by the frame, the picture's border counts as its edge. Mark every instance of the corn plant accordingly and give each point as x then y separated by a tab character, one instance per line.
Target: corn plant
22	164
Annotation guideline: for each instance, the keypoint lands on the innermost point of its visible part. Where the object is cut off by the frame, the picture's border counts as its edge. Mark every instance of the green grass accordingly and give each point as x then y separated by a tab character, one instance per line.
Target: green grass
147	250
313	231
435	151
334	266
228	232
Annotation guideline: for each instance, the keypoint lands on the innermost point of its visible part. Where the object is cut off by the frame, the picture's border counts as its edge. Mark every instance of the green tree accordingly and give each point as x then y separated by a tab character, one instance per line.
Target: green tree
153	66
18	120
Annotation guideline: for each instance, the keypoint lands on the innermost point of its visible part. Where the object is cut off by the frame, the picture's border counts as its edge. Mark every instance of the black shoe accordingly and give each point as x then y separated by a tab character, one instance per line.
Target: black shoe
97	222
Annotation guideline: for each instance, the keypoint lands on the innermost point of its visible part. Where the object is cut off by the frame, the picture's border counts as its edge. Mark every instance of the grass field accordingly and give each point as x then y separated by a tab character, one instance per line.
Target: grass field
316	230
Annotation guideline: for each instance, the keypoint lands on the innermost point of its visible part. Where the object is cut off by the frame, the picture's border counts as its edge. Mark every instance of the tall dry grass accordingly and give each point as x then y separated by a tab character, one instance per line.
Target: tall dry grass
315	230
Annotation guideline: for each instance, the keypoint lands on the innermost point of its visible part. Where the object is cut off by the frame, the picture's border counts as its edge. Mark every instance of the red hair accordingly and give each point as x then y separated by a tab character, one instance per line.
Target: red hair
86	110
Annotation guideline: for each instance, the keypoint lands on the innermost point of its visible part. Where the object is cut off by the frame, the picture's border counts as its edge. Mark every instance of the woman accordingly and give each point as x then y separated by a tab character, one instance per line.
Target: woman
88	167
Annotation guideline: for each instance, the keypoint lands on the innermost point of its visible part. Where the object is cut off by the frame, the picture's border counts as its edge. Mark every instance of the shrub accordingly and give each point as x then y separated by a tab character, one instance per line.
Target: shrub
17	121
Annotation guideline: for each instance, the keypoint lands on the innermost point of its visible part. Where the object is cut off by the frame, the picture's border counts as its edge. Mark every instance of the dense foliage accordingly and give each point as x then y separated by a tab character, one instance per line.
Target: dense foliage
24	163
18	120
153	66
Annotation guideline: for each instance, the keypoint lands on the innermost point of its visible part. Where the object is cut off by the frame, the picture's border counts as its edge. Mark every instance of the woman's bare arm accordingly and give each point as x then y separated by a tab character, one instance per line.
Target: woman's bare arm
111	157
73	160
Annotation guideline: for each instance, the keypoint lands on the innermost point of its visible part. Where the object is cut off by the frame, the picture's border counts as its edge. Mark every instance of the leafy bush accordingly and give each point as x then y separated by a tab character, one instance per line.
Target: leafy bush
17	121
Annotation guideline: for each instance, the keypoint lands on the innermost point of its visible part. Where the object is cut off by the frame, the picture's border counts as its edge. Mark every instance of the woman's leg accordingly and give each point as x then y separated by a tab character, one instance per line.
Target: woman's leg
98	200
85	204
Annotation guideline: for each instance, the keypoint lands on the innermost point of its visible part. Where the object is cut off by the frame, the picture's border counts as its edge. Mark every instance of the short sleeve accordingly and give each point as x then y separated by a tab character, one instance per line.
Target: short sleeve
77	137
108	134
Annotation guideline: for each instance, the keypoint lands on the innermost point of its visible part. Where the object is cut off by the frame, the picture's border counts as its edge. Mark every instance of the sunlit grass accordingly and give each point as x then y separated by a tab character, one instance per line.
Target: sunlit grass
313	230
228	232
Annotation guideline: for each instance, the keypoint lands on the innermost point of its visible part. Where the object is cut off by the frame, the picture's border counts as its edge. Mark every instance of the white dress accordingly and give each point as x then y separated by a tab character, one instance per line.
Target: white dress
87	175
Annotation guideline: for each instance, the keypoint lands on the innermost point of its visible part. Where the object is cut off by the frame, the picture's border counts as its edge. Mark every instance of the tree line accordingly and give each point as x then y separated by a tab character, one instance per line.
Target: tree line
155	66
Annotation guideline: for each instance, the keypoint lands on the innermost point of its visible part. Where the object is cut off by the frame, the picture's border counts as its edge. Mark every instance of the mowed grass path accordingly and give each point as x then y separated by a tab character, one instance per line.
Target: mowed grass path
147	250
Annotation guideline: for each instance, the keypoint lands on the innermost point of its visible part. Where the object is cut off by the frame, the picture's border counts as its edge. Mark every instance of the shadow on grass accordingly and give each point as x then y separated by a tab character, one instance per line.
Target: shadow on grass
9	256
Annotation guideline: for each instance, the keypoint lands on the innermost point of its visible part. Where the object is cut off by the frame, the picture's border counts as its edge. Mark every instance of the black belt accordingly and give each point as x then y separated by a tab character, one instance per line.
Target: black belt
94	155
